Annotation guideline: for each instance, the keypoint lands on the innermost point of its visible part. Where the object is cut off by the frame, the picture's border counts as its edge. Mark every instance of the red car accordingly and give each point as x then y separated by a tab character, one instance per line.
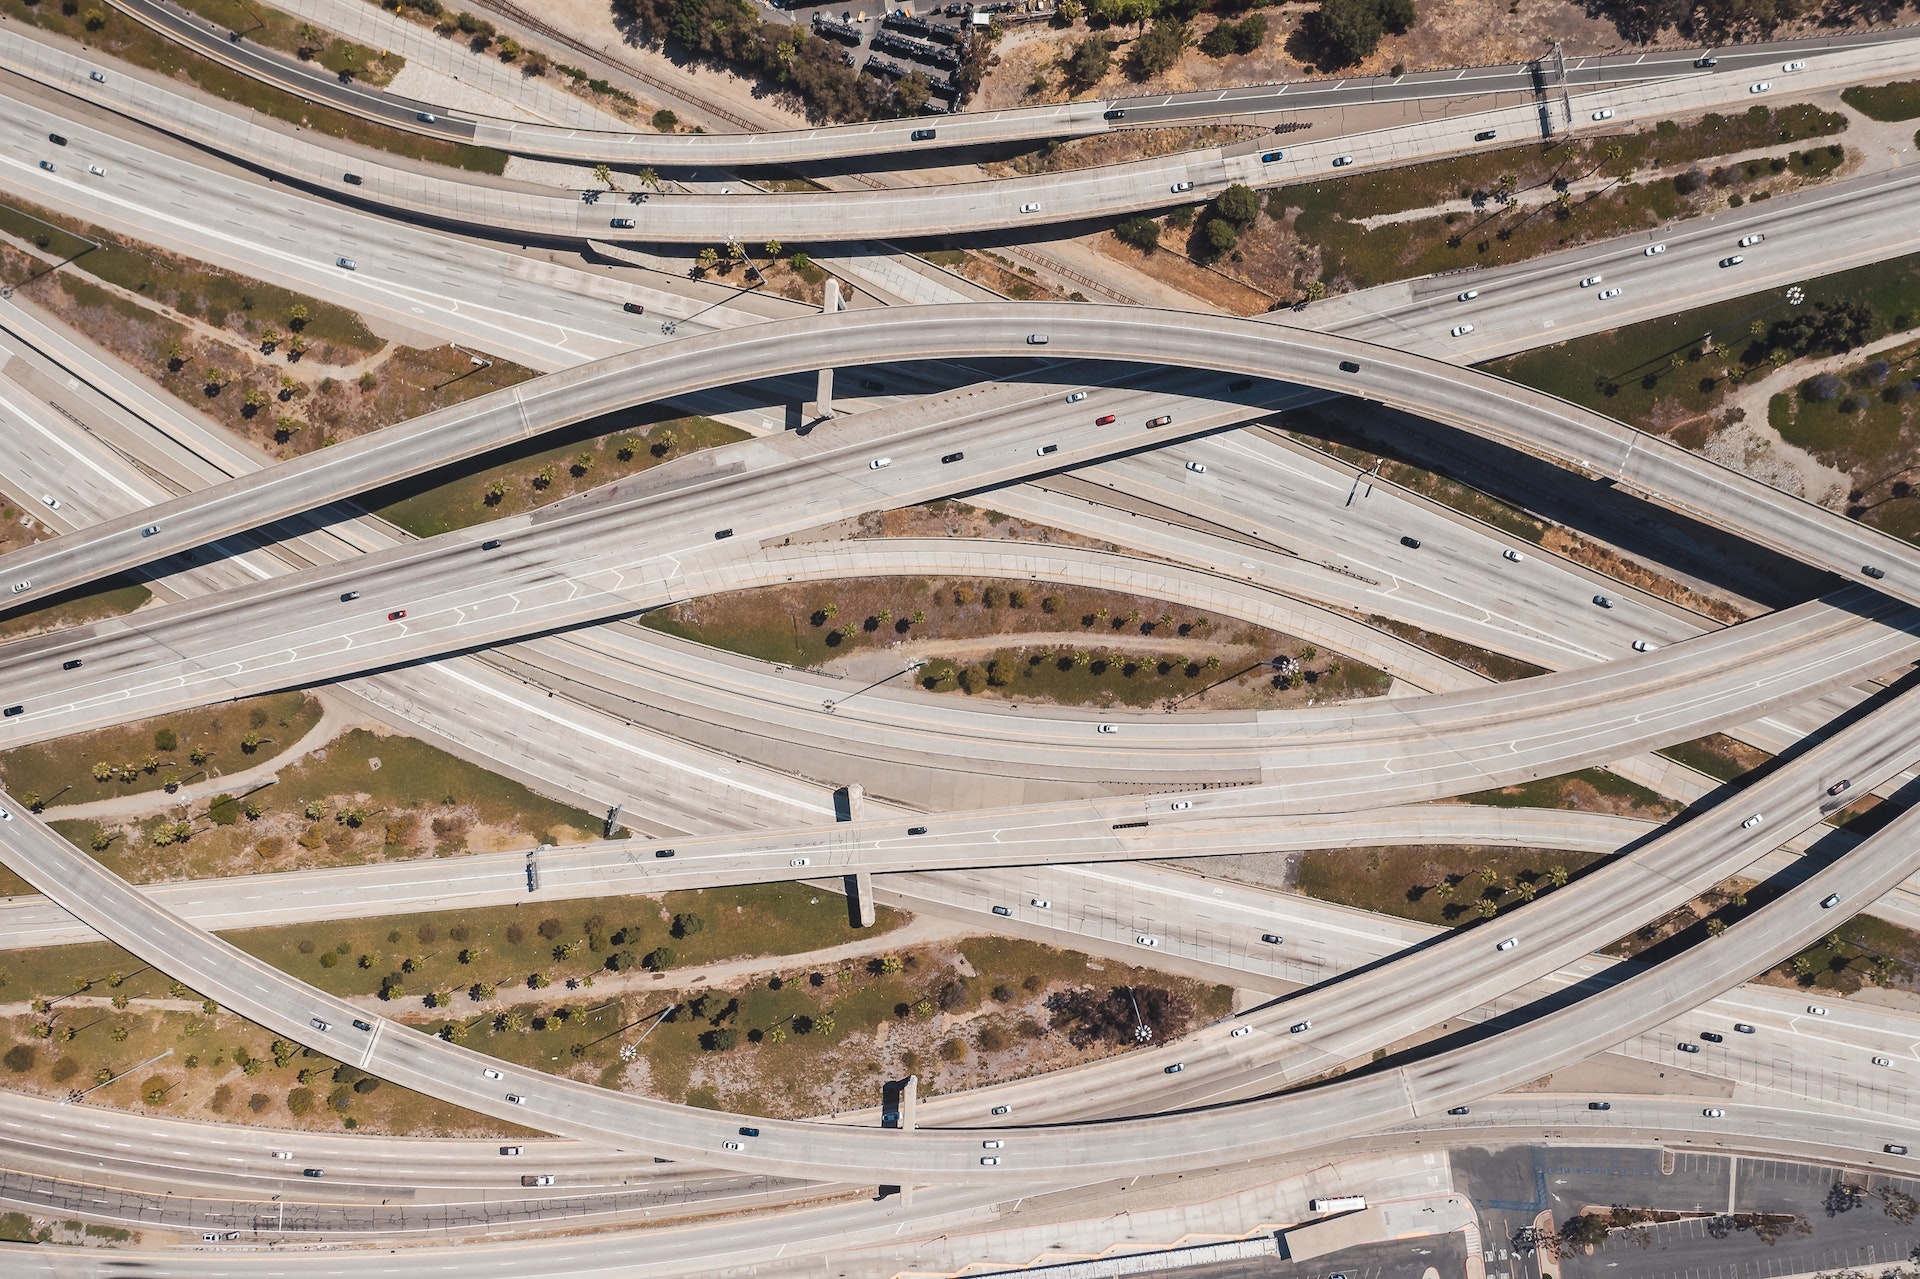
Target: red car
1104	421
396	615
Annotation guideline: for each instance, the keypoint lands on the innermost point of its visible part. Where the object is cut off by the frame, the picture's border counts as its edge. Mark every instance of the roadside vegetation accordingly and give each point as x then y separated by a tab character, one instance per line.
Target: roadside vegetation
1446	886
118	35
1592	790
1488	209
116	597
276	29
1671	375
1899	100
1077	646
812	1039
1863	418
157	754
288	372
543	470
360	798
1718	756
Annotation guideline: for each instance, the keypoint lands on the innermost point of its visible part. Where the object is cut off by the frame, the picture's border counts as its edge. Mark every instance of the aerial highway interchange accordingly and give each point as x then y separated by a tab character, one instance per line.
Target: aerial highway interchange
1163	452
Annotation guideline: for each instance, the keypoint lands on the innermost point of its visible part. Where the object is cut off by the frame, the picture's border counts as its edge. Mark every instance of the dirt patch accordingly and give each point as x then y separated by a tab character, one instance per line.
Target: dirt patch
1177	271
1443	886
1118	148
1591	790
950	519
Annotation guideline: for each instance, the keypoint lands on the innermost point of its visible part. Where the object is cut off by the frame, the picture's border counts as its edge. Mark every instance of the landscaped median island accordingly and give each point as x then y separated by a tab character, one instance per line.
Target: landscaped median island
544	469
1066	645
118	35
362	797
287	372
157	754
1706	378
1861	417
681	997
1485	209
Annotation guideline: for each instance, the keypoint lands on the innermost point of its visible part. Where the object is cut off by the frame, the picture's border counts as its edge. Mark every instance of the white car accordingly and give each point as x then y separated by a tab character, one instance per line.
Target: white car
1607	294
1299	1027
1588	281
1748	241
97	77
800	861
1033	207
51	501
516	1099
1239	1032
992	1145
1816	1010
5	816
1644	646
283	1154
1752	821
1508	944
1040	903
1342	161
1180	805
346	264
1000	1110
96	171
990	1161
1829	901
1147	941
1605	113
491	1073
1735	260
731	1145
512	1150
880	464
1109	728
1198	468
1654	250
1793	66
1460	330
1883	1061
1468	296
1714	1112
1511	554
1174	1069
1178	187
1076	397
1762	87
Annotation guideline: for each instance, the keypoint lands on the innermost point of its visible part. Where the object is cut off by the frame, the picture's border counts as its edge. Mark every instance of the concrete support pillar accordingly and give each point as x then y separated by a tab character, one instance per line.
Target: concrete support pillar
909	1099
823	394
856	802
863	898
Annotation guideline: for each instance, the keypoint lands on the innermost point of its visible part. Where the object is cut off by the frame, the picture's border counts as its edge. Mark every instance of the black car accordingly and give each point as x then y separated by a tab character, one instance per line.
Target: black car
1348	366
313	1172
56	139
633	308
362	1025
1116	114
1272	939
74	665
1713	1036
922	135
749	1132
1599	1105
353	179
1486	135
1459	1110
663	852
1875	573
916	830
1411	543
951	457
491	544
11	711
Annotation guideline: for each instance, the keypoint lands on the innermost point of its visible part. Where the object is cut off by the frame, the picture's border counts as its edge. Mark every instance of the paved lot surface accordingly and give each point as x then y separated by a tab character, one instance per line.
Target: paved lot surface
1509	1186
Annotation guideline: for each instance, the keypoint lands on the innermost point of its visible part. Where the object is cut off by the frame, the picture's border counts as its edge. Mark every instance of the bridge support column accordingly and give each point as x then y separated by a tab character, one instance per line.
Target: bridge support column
861	882
823	393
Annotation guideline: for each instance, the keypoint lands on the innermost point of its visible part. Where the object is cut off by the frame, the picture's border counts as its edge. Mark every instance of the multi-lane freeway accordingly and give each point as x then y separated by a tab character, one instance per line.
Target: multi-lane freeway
1120	425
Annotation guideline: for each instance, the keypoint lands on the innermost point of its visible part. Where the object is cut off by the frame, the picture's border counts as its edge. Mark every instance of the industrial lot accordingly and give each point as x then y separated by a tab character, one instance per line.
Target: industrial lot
1084	638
